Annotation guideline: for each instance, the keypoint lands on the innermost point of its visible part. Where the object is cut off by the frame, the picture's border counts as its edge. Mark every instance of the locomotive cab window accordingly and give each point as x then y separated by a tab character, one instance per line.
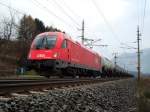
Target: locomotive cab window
45	42
64	44
50	42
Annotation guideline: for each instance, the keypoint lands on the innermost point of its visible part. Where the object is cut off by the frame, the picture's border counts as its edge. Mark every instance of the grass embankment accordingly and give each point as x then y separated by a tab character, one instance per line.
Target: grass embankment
30	74
144	95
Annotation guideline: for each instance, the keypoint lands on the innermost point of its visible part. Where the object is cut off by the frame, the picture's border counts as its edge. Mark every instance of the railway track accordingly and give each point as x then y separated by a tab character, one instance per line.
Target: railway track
24	85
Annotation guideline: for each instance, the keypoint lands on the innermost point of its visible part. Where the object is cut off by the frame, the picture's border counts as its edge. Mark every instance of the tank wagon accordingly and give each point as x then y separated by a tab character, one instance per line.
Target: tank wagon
107	67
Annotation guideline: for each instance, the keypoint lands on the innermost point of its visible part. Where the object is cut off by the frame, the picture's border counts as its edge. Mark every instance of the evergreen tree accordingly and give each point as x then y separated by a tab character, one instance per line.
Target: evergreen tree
40	27
26	33
52	29
27	29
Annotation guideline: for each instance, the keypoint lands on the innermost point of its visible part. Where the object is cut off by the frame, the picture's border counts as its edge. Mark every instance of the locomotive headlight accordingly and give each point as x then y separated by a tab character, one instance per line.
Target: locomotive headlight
29	56
55	55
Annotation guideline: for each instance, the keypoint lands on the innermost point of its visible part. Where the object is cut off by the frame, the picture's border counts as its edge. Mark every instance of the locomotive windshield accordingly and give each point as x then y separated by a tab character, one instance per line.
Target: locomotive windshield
44	42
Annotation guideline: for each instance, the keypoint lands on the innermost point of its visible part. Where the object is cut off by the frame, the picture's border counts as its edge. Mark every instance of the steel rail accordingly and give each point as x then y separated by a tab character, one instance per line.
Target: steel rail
24	86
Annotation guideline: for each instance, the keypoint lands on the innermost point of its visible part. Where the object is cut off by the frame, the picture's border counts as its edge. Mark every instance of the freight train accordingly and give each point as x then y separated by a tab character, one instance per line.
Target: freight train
56	53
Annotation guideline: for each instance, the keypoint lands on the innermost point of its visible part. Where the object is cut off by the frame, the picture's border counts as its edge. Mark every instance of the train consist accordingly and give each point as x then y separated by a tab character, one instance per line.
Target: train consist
56	53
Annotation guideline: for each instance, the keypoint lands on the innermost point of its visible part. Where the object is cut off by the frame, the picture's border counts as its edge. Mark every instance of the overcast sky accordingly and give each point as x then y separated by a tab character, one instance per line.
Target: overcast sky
114	21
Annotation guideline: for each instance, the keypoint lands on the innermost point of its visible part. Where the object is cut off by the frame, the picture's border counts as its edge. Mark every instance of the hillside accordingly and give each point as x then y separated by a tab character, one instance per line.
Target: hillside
129	61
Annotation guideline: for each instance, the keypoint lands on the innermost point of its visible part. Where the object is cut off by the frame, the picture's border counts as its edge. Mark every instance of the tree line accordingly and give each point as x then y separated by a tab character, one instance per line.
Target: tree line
30	27
16	38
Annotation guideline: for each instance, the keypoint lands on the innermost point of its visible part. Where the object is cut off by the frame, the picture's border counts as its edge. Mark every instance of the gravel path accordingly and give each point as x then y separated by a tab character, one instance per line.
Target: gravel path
113	96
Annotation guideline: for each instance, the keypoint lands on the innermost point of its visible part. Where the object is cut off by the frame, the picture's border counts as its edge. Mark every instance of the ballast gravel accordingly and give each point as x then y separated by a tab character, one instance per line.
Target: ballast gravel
113	96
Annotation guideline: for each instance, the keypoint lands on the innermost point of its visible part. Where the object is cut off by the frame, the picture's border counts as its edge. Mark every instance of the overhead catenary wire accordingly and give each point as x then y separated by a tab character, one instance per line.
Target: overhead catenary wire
52	13
70	9
141	14
65	12
143	19
16	10
106	22
138	12
23	13
140	20
37	5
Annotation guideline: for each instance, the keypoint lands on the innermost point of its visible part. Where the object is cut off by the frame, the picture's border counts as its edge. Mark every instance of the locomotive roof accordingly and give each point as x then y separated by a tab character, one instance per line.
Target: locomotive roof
69	38
76	42
48	33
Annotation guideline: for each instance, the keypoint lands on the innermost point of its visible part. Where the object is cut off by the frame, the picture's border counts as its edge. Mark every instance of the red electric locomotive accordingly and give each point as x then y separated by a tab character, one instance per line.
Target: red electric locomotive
57	53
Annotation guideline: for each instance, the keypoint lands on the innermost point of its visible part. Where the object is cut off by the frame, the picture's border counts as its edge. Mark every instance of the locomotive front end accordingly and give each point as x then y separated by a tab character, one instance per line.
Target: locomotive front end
43	52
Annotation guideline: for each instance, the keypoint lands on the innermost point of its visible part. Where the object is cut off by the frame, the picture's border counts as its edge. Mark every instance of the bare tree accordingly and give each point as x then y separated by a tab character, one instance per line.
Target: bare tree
8	26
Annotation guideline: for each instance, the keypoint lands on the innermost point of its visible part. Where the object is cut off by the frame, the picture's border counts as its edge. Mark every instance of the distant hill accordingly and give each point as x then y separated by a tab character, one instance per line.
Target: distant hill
129	61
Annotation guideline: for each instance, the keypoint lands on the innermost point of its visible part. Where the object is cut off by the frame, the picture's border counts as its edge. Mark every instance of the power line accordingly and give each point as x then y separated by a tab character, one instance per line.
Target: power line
52	13
141	14
138	37
72	11
105	20
144	12
63	10
138	12
127	46
37	6
12	8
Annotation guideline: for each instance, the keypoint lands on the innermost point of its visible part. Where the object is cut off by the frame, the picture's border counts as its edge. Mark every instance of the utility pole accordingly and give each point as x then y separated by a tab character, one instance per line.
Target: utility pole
83	39
138	53
115	57
87	41
82	36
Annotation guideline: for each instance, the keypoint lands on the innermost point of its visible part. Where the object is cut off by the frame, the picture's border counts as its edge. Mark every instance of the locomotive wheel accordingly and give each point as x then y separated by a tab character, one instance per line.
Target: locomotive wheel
45	74
61	76
61	73
74	74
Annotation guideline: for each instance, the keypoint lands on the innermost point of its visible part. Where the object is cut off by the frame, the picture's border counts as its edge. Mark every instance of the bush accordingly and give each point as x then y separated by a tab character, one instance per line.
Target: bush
32	72
144	95
147	94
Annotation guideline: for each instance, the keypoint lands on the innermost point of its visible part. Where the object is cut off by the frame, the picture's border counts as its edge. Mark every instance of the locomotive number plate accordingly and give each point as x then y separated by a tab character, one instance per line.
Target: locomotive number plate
40	55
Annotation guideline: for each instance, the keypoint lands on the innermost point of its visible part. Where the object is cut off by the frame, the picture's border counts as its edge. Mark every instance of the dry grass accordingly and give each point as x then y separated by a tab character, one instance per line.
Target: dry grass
144	95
